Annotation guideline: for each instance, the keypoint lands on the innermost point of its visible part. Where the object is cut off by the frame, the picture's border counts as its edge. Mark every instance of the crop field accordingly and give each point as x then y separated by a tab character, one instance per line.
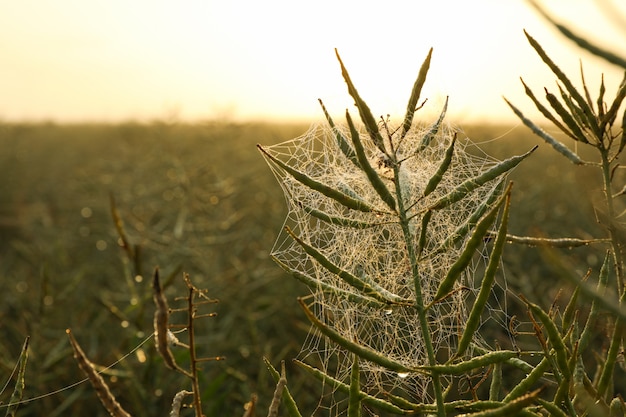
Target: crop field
199	199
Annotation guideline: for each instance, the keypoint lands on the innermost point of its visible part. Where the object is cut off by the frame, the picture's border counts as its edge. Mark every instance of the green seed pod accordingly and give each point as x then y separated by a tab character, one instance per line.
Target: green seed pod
445	164
349	278
469	251
372	175
363	352
486	285
472	364
470	185
354	401
364	111
342	141
329	192
415	95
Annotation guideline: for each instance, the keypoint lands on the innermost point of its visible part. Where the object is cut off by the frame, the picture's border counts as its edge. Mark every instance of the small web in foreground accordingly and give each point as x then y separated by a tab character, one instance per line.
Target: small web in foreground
375	251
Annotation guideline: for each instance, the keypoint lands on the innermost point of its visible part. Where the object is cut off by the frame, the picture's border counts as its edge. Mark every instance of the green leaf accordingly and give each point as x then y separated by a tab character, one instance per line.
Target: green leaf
329	192
364	111
342	142
558	146
471	184
415	95
372	175
361	351
488	280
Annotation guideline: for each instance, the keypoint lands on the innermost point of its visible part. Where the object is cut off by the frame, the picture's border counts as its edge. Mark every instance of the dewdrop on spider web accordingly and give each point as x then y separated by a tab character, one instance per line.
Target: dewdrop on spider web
375	248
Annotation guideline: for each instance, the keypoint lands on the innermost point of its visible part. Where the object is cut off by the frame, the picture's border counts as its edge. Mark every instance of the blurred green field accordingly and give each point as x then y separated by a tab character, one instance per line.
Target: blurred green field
198	199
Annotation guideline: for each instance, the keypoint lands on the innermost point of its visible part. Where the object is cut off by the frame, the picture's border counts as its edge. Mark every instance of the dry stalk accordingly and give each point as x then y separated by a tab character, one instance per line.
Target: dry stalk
102	390
161	325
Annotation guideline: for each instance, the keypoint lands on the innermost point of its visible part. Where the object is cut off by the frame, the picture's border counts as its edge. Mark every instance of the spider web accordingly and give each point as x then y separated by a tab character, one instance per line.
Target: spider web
377	253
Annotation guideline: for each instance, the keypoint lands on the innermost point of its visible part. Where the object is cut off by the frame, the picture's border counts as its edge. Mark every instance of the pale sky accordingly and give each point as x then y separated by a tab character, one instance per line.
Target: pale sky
114	60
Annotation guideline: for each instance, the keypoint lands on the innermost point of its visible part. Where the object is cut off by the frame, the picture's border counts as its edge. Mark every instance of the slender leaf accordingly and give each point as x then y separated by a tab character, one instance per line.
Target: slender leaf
329	192
577	116
600	101
562	242
377	183
415	95
421	243
622	141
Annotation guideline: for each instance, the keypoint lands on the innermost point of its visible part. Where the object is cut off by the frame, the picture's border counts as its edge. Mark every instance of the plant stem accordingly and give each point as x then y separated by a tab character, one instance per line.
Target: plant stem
419	300
609	363
191	313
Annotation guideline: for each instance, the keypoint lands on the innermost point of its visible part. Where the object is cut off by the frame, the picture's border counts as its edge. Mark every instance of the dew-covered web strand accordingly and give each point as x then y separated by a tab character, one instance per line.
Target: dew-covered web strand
77	383
377	254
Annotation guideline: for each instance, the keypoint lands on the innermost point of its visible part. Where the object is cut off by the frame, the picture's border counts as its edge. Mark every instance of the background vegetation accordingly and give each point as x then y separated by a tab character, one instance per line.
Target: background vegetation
199	199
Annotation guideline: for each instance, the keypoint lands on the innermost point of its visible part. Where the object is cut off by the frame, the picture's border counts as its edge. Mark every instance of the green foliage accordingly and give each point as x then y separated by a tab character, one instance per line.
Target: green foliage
408	211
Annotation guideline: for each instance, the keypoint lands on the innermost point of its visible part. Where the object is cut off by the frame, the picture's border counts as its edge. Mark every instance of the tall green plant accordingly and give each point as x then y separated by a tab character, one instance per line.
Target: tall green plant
587	383
384	223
